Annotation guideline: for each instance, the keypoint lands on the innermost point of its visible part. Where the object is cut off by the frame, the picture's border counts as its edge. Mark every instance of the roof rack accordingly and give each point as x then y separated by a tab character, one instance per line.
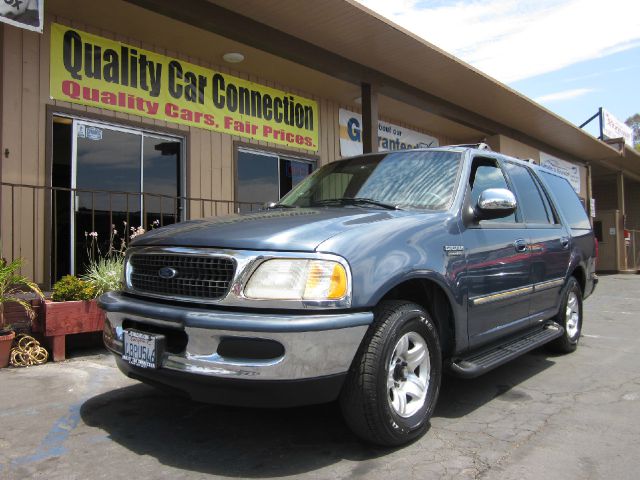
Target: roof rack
479	146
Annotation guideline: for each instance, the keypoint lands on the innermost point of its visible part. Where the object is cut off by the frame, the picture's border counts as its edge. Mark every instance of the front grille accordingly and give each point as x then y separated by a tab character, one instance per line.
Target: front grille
198	277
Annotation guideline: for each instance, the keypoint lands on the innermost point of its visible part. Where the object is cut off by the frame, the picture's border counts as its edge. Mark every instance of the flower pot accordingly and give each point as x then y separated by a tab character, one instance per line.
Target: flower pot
5	348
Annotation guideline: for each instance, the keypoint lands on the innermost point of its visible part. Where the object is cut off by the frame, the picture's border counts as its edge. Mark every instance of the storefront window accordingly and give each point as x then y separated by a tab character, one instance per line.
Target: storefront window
264	177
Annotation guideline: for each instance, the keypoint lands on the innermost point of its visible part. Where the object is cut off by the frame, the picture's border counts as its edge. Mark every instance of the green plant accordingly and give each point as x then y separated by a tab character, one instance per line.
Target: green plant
104	270
105	274
71	287
11	285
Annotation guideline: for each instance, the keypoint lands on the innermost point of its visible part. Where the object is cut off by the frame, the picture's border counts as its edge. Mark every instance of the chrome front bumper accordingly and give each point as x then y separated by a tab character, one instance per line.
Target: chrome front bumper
315	344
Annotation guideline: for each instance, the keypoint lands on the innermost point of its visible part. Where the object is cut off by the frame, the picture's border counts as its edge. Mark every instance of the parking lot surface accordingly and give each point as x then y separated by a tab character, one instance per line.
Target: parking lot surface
541	416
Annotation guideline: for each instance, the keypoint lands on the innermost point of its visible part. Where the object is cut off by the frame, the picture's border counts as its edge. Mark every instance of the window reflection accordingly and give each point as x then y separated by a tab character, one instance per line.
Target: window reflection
257	180
161	167
108	160
266	177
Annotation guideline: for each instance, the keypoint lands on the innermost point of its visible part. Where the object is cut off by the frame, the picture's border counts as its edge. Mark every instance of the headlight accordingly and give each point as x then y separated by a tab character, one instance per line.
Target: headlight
126	272
298	279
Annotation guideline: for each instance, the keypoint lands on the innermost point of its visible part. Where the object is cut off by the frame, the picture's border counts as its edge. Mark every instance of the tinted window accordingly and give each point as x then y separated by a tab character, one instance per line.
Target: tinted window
161	179
531	201
567	200
257	180
292	172
264	177
486	174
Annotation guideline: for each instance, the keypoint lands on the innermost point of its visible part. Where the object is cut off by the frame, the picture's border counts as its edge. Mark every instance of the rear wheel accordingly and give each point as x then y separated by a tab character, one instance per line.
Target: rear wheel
393	384
570	318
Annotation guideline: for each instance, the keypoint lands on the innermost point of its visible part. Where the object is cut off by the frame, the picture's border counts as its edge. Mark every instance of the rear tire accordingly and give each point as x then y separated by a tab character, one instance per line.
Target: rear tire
570	318
393	384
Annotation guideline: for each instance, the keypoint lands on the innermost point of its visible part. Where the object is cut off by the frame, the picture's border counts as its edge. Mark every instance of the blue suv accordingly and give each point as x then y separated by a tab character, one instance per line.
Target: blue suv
363	284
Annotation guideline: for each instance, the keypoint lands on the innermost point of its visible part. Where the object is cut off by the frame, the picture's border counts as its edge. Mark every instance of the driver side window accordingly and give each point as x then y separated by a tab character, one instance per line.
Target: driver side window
485	173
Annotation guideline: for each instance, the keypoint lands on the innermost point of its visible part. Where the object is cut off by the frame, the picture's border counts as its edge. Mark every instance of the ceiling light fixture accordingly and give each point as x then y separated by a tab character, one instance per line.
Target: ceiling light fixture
233	57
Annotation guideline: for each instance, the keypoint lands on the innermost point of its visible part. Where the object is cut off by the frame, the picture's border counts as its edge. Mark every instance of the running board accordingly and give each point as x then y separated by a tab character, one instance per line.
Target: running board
481	362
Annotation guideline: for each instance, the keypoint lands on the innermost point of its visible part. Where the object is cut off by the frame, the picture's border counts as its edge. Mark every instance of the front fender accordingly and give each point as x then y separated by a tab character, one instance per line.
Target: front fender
454	295
383	255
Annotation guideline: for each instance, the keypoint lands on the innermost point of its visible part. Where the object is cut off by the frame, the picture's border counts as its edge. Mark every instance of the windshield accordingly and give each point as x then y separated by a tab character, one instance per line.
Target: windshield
411	179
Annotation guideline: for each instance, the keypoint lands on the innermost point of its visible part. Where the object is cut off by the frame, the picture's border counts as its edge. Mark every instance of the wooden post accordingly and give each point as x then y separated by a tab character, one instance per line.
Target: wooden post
369	118
589	194
622	257
58	347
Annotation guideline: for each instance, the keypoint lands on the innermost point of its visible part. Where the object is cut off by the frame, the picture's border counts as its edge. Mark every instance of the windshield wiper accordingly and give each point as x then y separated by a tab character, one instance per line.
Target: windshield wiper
358	201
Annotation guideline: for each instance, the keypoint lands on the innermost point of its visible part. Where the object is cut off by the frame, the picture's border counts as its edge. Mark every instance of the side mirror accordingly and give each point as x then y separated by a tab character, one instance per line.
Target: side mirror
495	203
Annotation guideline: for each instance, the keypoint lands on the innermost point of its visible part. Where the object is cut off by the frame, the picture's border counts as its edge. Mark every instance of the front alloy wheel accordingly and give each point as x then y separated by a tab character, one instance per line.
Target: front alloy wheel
393	384
408	375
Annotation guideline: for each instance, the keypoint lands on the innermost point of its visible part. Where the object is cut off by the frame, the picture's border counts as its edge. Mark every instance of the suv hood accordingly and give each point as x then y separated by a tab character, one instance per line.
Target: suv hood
300	229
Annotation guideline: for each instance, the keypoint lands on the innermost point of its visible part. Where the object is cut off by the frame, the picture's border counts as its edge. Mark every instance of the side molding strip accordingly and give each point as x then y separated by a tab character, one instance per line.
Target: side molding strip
502	295
516	292
548	284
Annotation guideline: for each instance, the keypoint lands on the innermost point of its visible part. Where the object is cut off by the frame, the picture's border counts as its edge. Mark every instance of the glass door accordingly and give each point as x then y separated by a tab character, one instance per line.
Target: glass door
109	182
161	174
107	185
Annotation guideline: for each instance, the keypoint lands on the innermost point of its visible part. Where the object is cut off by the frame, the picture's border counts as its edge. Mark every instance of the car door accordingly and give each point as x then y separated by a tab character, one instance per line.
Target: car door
549	248
498	263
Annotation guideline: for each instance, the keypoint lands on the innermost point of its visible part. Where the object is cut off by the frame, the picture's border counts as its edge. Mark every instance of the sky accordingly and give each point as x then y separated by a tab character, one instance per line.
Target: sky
571	56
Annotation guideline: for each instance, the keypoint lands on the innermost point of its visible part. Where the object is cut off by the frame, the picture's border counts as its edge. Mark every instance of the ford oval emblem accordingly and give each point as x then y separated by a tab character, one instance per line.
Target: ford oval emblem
167	273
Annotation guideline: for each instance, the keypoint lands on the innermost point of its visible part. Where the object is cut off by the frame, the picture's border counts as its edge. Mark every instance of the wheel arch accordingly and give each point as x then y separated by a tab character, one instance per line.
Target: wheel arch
436	300
580	275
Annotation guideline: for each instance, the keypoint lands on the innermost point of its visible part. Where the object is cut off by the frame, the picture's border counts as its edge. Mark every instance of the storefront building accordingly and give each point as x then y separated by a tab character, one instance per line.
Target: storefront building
127	114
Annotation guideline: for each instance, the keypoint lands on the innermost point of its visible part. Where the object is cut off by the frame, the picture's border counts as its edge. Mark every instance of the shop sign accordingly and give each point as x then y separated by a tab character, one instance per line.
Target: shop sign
27	14
565	169
390	137
98	72
614	128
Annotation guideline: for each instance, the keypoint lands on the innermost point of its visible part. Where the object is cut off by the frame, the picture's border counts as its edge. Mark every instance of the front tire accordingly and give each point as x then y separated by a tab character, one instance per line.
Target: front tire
570	318
393	384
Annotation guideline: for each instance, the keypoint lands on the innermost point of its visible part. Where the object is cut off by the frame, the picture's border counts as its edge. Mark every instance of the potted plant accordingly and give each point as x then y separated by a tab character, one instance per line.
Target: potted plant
71	309
12	283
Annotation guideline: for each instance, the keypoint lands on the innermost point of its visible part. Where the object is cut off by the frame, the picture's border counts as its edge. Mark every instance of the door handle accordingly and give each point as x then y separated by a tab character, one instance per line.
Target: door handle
564	241
521	245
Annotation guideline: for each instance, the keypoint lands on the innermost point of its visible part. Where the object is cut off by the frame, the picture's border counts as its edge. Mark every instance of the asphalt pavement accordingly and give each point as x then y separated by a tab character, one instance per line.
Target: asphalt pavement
542	416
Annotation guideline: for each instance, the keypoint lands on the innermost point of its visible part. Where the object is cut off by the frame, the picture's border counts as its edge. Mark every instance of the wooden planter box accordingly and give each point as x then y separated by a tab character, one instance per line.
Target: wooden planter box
60	319
15	315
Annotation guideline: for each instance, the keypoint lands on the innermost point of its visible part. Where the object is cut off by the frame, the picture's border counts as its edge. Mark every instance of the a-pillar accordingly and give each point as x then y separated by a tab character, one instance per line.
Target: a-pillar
369	118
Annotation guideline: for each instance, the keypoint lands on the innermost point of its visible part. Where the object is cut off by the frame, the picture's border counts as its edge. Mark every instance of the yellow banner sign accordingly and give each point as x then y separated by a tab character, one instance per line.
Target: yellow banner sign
99	72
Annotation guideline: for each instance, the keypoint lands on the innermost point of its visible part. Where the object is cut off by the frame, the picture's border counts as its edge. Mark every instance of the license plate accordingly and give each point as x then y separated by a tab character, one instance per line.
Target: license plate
142	349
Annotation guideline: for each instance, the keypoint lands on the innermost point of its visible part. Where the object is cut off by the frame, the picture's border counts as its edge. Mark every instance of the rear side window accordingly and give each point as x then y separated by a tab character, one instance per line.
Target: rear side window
567	200
532	202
